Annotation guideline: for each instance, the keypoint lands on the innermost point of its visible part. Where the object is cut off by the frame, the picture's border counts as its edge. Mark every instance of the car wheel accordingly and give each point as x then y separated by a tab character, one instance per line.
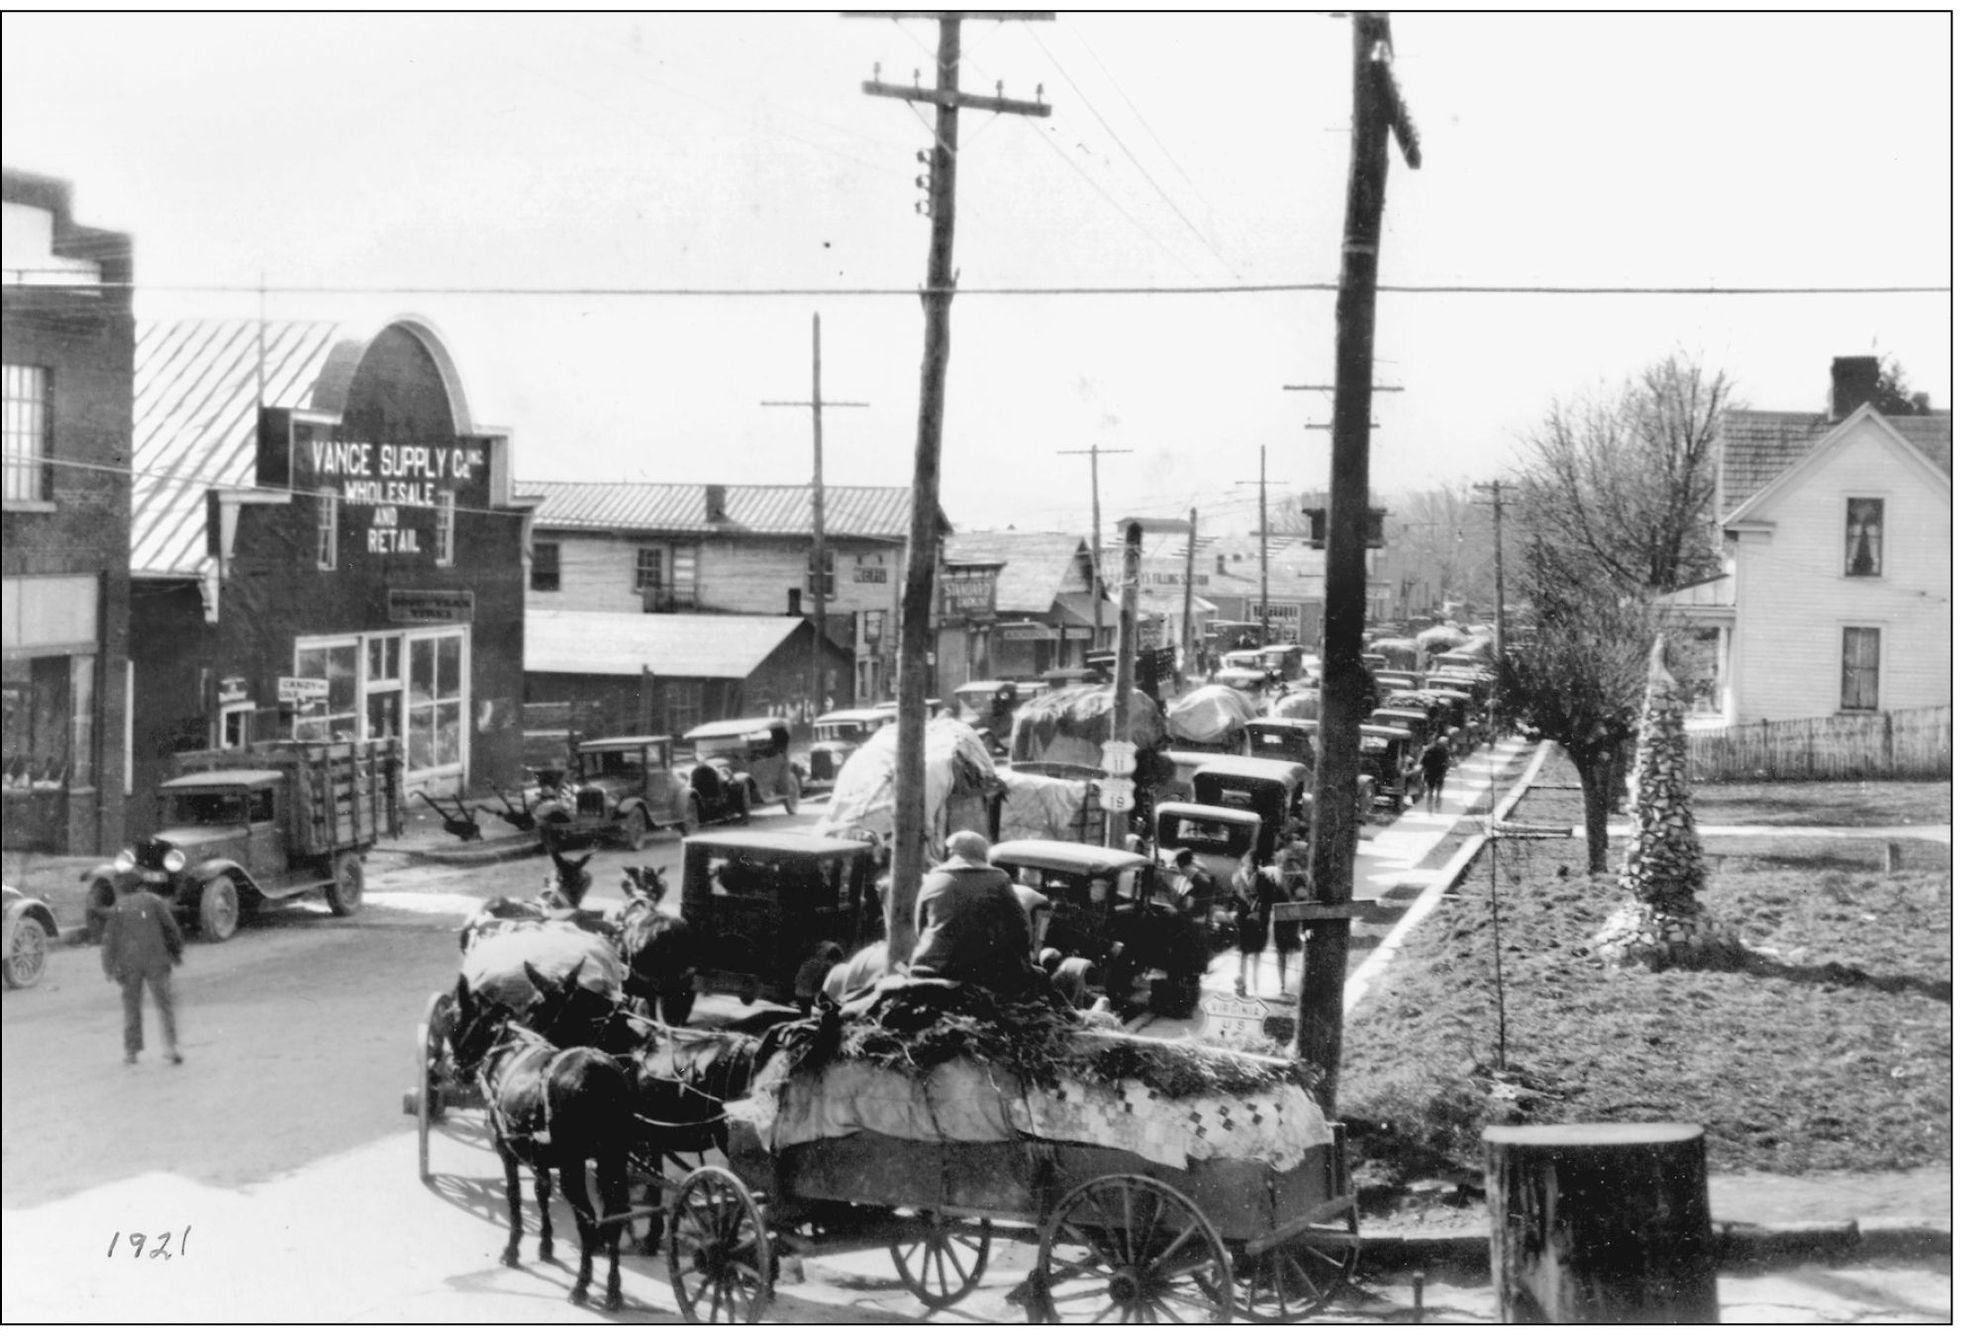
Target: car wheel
345	894
219	909
745	804
632	828
793	793
27	954
691	821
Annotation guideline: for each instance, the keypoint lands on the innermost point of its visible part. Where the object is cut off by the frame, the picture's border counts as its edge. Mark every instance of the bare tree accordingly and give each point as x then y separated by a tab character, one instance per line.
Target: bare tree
1624	482
1577	676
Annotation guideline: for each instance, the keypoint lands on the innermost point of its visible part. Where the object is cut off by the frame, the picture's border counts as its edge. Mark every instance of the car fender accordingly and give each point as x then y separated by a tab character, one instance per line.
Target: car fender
29	908
106	872
199	874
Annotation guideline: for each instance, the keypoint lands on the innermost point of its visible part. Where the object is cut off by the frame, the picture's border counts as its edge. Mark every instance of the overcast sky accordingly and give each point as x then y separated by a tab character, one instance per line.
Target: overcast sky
655	151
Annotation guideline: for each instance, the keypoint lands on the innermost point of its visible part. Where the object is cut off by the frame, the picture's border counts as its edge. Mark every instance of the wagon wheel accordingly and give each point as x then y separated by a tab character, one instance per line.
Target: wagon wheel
433	1053
945	1261
1291	1282
1155	1260
717	1250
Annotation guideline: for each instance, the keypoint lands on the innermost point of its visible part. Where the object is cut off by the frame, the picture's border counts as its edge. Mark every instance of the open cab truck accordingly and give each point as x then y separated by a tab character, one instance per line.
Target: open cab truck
239	828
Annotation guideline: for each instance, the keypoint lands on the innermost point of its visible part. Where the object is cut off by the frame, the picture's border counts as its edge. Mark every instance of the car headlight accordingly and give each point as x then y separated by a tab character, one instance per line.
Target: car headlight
125	861
174	860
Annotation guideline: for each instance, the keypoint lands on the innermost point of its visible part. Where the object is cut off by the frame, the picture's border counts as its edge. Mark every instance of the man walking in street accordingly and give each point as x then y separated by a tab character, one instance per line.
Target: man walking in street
1435	765
141	944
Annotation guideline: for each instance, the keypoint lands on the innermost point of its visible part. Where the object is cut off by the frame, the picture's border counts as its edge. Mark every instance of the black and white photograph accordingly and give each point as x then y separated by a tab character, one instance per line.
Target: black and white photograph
976	666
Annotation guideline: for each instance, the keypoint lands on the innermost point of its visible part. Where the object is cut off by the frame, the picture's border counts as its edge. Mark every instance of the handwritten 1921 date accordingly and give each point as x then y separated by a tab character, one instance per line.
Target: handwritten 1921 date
161	1245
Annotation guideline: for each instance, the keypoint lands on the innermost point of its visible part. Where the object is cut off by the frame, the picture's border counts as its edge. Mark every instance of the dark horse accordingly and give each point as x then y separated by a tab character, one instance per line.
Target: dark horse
559	1109
659	947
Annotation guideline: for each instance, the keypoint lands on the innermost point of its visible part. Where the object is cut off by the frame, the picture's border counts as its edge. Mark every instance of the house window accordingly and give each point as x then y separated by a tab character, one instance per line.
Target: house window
326	532
443	532
1861	668
331	717
546	566
830	570
28	439
1864	536
664	577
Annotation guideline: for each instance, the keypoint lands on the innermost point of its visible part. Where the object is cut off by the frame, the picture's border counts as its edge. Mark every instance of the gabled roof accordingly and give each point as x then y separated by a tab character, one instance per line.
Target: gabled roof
1756	447
194	424
1035	566
1938	442
682	508
672	645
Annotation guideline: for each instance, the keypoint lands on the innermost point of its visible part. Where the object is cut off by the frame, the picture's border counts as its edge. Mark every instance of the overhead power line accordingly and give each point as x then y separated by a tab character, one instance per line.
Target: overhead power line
15	277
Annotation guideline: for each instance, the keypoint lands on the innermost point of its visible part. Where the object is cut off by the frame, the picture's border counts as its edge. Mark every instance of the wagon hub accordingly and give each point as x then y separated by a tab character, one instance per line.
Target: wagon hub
1126	1287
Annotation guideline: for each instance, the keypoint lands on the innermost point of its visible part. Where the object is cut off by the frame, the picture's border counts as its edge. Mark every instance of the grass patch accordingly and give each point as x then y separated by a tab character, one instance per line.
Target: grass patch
1825	803
1829	1052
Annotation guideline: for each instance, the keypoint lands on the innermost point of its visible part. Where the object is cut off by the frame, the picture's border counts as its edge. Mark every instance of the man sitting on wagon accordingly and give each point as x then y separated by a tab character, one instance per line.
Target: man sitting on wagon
972	926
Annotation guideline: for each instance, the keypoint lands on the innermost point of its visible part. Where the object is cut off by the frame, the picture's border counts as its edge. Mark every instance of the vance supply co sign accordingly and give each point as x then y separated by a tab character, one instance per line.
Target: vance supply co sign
395	499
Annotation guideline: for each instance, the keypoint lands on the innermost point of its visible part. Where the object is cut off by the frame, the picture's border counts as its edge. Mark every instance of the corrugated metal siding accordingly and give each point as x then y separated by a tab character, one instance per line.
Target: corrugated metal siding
194	421
681	508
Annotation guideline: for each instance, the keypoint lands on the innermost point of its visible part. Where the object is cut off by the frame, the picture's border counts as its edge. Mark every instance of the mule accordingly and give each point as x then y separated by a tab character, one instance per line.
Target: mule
558	1110
660	948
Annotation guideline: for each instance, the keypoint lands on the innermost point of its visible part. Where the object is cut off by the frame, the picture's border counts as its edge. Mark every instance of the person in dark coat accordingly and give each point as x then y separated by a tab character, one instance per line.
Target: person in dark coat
1252	922
1435	766
972	926
142	941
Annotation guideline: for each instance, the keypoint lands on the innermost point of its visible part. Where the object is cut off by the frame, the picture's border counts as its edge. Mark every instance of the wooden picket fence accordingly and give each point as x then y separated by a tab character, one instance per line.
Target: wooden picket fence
1900	744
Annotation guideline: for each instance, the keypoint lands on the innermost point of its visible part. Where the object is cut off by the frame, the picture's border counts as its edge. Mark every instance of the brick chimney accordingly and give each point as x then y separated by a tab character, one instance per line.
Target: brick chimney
717	503
1854	385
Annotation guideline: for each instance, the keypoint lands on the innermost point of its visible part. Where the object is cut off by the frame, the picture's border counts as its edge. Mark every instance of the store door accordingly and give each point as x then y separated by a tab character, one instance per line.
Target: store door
436	707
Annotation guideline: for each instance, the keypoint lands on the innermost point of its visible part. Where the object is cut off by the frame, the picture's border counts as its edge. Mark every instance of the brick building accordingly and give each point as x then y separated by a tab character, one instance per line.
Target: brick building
68	337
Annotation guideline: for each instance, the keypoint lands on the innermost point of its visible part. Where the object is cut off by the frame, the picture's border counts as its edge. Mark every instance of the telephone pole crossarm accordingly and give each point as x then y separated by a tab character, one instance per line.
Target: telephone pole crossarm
943	98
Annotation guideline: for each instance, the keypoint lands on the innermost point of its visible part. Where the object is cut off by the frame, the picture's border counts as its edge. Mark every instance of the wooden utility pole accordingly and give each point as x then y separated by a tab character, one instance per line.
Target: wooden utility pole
1263	549
1098	584
817	403
1188	605
1125	665
917	595
1377	111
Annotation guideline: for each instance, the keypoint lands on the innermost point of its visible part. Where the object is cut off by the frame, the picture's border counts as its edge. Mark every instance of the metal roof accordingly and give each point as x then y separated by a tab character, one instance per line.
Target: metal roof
672	645
1036	567
683	508
194	421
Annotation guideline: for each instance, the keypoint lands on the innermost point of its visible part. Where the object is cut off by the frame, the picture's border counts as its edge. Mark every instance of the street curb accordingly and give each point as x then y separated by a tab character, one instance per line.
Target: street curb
1739	1244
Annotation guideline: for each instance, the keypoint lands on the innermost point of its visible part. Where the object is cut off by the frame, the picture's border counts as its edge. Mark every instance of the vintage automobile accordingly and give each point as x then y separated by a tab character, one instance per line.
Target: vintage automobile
1421	724
1279	792
1281	739
762	902
1394	680
738	764
622	787
989	707
1460	661
1219	838
1459	719
1244	670
1302	704
1103	908
835	736
1389	759
29	927
241	827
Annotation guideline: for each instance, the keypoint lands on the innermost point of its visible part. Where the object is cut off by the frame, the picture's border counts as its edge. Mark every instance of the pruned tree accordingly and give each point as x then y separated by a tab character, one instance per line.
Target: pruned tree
1624	482
1576	676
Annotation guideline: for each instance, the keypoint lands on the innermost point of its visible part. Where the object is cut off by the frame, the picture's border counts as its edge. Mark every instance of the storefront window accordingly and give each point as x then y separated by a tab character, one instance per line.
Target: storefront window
335	718
41	745
432	731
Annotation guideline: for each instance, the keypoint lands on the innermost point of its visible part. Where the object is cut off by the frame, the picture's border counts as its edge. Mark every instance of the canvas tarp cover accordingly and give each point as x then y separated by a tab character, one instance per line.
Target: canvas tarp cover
493	966
1209	714
966	1101
957	762
1038	807
1068	725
